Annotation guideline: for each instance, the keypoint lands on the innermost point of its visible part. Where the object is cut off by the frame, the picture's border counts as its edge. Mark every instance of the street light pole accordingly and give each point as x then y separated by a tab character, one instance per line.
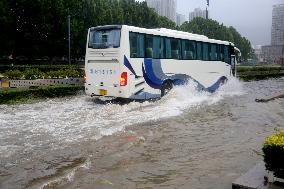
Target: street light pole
207	7
282	59
69	39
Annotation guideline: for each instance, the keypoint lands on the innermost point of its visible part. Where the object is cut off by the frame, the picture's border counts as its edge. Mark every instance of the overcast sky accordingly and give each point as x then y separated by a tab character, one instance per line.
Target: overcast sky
252	18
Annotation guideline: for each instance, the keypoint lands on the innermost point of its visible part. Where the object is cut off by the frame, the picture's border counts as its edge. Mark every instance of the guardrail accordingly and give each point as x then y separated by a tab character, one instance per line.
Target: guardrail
6	84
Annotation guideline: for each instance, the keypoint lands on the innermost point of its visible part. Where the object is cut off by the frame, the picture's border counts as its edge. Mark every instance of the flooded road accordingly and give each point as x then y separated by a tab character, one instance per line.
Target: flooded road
188	139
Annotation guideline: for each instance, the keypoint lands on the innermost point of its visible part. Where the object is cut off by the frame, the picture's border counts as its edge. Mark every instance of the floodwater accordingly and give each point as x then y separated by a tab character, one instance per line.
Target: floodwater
188	139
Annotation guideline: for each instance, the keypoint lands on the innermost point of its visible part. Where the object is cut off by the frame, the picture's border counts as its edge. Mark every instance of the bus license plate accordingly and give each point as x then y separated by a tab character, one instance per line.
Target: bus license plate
103	92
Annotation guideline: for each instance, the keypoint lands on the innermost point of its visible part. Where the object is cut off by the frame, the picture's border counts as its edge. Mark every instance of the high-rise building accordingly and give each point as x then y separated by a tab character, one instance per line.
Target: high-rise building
180	19
165	8
277	30
155	5
198	13
274	53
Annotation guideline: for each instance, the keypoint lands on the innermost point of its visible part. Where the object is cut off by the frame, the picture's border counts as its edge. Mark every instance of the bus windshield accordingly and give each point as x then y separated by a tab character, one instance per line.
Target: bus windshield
103	39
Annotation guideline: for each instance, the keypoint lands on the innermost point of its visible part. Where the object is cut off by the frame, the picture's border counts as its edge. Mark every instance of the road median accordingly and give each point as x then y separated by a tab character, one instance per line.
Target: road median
23	95
250	73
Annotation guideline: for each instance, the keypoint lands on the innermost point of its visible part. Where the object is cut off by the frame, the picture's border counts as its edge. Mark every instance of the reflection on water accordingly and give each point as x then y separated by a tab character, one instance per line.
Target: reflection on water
189	138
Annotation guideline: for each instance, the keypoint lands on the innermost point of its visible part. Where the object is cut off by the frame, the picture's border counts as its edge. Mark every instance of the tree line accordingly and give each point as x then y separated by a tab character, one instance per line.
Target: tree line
37	29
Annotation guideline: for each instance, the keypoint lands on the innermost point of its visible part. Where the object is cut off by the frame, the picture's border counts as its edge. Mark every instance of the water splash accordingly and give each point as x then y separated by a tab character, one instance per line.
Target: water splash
57	122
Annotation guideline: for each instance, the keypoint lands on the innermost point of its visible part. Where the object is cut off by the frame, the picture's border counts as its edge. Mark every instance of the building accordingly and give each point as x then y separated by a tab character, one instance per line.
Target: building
198	13
165	8
274	53
257	52
155	4
277	30
180	19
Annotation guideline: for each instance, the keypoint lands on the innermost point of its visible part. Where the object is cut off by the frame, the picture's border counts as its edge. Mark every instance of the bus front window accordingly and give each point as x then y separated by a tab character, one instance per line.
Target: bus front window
103	39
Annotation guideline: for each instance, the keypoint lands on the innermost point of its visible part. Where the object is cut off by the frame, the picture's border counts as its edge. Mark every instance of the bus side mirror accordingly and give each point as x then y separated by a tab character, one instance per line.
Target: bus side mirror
233	61
233	65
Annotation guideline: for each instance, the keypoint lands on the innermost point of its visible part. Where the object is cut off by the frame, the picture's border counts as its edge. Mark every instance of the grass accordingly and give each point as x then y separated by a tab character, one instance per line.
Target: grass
248	73
15	96
259	68
43	68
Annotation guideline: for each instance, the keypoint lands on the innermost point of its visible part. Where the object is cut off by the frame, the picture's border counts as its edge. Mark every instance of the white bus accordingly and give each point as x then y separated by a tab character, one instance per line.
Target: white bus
137	63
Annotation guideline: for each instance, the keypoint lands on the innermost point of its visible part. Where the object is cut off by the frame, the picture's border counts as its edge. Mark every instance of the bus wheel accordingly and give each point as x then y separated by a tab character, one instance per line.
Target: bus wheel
166	87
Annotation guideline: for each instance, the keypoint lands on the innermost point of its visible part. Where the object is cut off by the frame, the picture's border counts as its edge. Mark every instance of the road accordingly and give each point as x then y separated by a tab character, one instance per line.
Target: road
188	139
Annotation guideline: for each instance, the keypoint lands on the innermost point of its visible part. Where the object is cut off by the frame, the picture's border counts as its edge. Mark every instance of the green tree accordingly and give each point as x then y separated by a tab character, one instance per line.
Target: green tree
39	28
6	29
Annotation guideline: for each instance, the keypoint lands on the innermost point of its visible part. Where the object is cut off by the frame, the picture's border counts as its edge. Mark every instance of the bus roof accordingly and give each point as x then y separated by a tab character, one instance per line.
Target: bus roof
176	34
165	32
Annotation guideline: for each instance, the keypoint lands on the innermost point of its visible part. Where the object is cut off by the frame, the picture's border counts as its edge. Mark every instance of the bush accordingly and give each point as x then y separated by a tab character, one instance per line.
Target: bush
13	74
33	73
258	68
273	150
71	73
53	74
36	73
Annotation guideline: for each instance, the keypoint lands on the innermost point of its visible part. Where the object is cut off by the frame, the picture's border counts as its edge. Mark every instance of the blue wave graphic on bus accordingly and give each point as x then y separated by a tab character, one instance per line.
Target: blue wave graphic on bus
216	85
154	76
128	65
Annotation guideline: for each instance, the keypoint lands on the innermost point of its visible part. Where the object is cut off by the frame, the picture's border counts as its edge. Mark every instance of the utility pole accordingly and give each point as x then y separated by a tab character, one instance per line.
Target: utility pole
282	59
207	7
69	39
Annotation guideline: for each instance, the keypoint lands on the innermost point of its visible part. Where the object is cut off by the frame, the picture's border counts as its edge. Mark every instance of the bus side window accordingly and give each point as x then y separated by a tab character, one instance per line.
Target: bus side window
168	48
226	54
205	52
199	51
163	48
176	49
149	46
192	49
158	47
218	52
136	45
213	52
188	50
222	53
185	50
133	44
140	48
